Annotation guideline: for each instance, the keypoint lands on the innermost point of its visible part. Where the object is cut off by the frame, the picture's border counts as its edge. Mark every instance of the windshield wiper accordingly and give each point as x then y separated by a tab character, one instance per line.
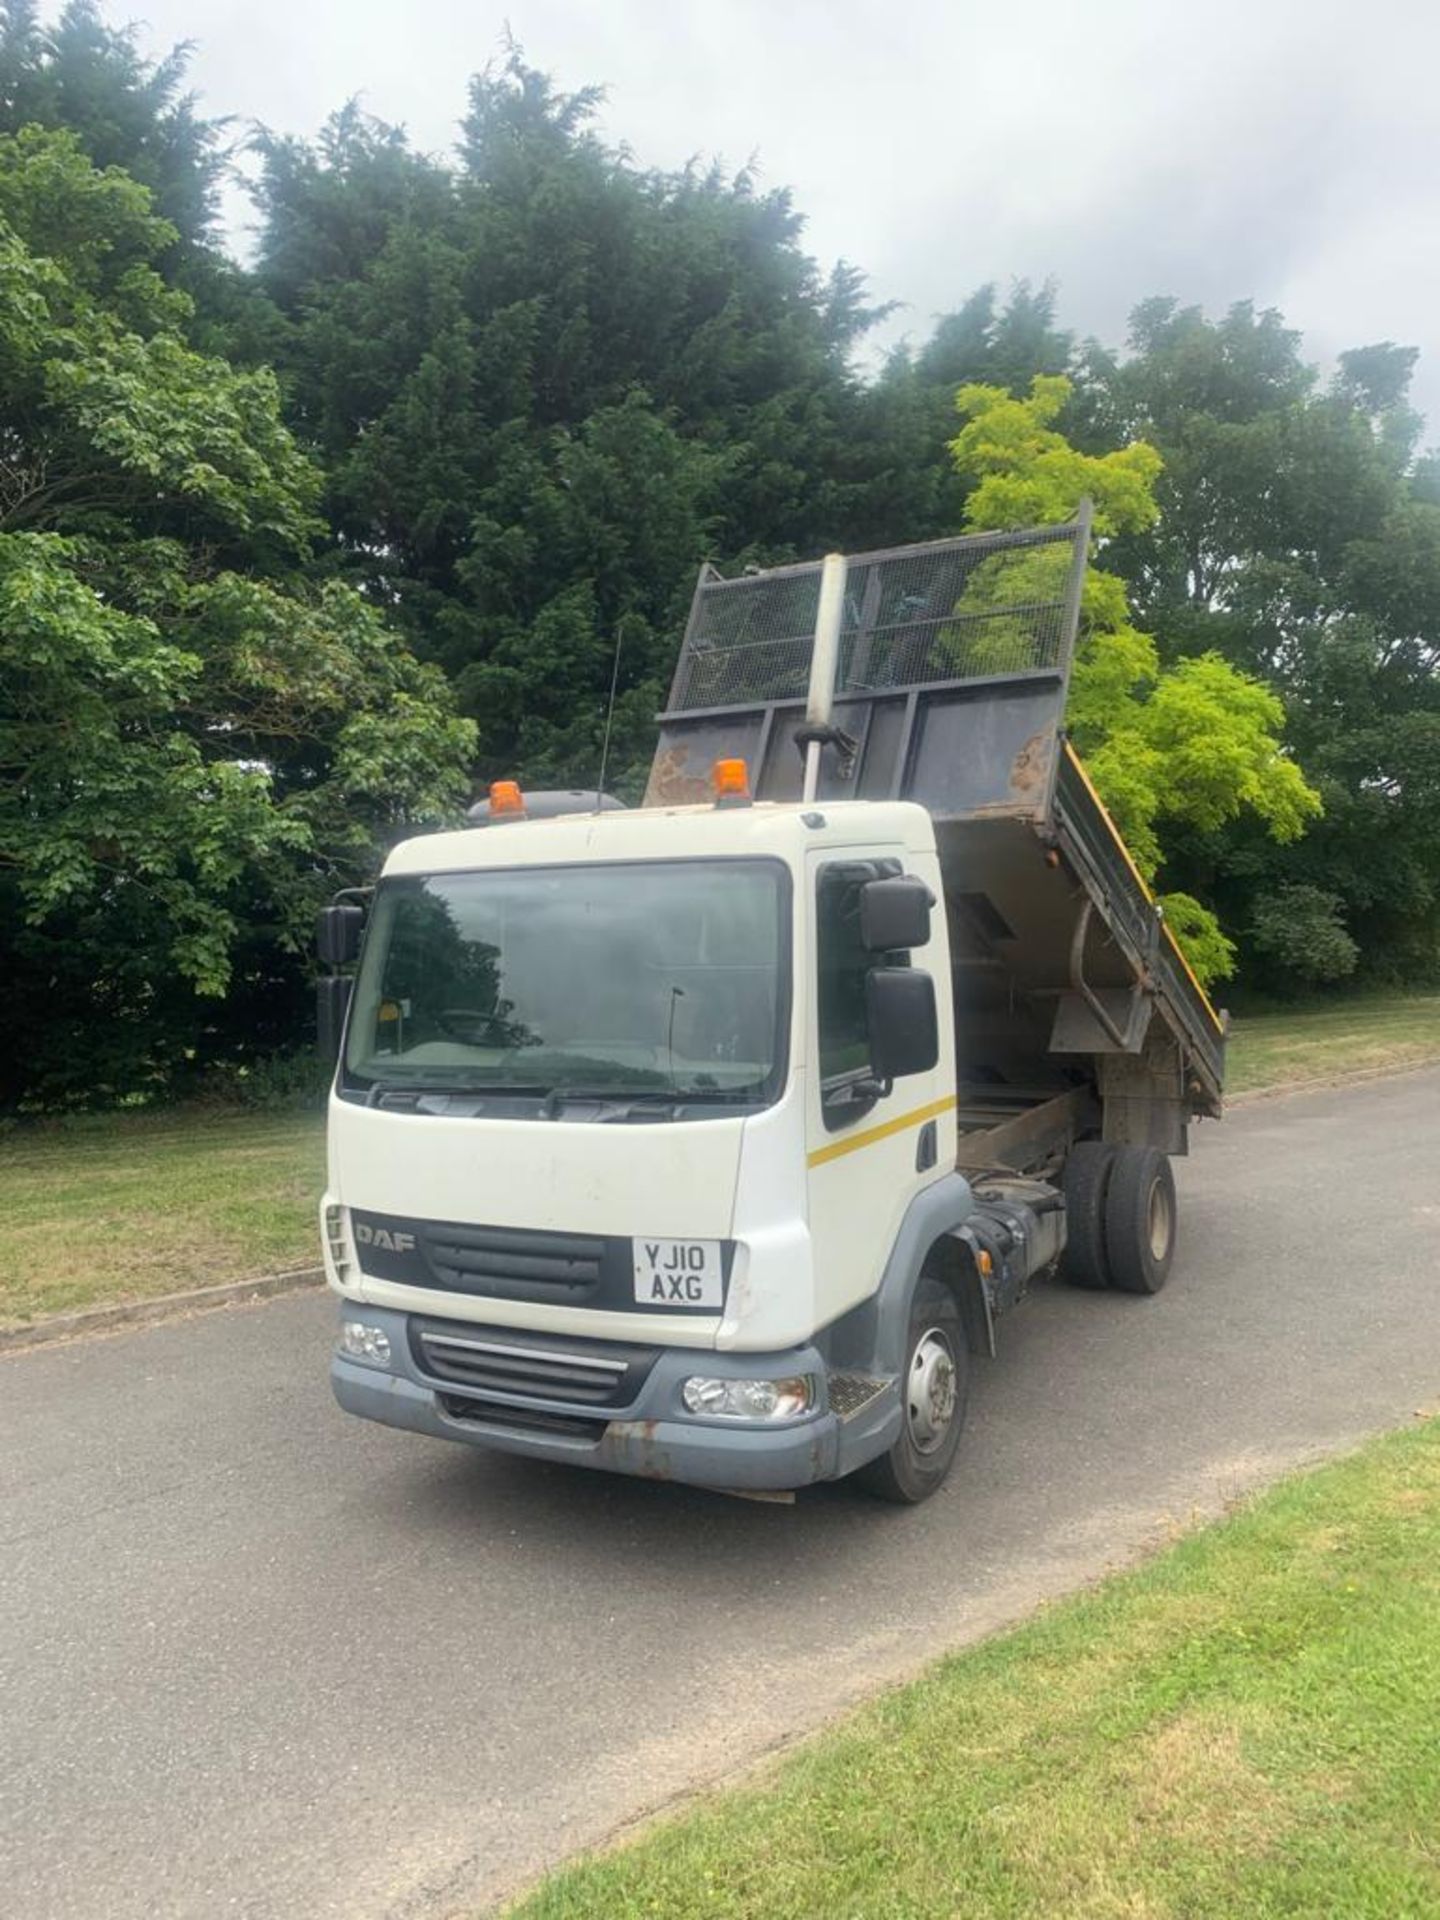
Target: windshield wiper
380	1090
559	1097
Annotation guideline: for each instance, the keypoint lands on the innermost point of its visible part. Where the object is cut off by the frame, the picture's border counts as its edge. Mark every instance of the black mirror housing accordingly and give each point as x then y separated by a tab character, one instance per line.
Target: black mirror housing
337	933
332	1003
895	914
904	1024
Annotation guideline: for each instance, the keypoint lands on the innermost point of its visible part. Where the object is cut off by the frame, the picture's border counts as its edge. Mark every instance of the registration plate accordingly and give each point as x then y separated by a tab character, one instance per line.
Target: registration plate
679	1273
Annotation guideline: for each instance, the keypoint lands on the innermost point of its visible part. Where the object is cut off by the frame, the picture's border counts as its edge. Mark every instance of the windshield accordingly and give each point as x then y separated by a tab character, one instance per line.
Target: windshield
660	978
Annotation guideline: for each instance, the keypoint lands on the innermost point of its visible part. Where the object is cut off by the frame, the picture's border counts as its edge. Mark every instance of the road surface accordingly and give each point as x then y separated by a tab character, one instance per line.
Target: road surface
259	1659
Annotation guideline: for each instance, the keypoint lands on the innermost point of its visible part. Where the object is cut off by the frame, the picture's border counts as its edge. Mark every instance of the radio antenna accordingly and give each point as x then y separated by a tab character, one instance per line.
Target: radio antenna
609	716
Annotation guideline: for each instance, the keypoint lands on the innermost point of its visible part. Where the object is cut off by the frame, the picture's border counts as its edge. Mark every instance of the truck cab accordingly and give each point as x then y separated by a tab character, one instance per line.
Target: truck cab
612	1169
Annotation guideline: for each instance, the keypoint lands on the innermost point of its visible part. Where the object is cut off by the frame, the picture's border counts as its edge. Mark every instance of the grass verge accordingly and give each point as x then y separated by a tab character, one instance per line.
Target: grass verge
124	1207
1350	1036
1246	1726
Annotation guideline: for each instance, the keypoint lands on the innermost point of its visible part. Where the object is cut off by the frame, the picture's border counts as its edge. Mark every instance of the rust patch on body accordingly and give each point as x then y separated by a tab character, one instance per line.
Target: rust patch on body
1030	768
672	784
640	1451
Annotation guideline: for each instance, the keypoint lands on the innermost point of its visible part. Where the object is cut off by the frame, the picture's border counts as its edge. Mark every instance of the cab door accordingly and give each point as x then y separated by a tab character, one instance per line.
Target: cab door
867	1153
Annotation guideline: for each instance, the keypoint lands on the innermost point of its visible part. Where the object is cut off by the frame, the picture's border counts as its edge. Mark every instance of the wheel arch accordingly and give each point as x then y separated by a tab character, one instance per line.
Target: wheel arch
954	1259
872	1336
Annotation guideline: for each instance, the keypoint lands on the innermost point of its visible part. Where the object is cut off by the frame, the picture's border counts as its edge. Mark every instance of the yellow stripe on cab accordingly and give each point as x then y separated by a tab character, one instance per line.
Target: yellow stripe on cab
853	1142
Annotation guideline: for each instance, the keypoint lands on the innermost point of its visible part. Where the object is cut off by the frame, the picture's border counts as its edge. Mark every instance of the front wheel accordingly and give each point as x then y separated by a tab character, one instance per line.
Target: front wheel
935	1387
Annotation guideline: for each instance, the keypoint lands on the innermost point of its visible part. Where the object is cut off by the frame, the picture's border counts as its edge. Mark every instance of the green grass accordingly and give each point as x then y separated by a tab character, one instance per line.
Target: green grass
123	1207
1379	1032
1245	1727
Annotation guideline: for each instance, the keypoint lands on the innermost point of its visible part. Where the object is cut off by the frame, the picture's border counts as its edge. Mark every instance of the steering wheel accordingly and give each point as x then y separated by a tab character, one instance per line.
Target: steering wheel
470	1016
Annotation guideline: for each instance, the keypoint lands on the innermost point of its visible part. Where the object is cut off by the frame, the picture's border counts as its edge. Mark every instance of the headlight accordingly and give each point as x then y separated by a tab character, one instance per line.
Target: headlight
359	1341
749	1399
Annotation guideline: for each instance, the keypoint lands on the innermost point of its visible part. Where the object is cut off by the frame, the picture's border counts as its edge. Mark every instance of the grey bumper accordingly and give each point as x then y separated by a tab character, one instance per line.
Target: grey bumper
654	1438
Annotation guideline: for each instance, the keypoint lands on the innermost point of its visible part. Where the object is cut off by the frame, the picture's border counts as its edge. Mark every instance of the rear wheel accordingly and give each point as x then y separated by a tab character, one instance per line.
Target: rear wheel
935	1389
1088	1171
1140	1218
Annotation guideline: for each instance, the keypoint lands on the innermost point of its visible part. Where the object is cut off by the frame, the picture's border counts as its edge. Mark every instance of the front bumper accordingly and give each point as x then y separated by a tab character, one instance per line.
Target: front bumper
653	1438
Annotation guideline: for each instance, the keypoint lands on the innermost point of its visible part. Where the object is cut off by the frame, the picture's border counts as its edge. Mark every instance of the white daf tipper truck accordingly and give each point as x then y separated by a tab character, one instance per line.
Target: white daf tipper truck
710	1140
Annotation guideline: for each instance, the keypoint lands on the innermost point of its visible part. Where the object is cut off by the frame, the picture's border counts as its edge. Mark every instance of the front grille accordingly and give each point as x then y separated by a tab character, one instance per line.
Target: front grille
523	1264
489	1413
572	1373
531	1264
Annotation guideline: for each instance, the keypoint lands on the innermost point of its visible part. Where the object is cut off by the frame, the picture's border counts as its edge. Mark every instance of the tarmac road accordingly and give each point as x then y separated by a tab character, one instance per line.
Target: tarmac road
259	1659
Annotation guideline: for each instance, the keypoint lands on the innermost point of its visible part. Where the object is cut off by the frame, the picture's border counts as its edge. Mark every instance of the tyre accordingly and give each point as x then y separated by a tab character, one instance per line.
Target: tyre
936	1386
1140	1219
1086	1183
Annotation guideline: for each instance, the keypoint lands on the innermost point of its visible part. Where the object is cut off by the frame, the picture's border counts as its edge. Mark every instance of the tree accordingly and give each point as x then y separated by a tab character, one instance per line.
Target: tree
75	74
914	490
198	742
92	80
1192	745
1298	537
545	385
1300	929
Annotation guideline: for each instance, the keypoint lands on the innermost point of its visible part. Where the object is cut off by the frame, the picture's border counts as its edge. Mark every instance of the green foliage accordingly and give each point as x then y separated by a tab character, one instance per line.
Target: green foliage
1301	930
101	794
1299	540
113	423
1195	744
1199	748
199	741
1027	474
77	73
72	72
271	1083
545	385
1200	936
913	491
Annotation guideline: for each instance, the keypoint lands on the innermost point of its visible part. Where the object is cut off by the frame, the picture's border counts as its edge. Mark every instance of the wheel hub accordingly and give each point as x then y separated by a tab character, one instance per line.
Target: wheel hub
930	1391
1161	1220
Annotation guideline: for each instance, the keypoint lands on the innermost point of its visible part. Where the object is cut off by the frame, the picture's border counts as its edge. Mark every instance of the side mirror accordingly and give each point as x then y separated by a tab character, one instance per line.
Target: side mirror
895	914
337	933
332	1003
904	1026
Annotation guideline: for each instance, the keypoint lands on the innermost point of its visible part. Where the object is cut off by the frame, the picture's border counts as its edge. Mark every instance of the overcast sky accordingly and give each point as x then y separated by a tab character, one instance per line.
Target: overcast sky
1285	150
